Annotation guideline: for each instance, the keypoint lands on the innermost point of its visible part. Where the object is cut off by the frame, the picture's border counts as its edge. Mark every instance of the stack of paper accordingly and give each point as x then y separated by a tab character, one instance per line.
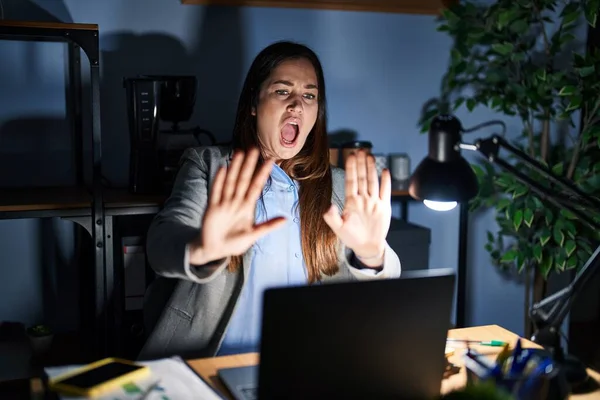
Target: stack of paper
175	381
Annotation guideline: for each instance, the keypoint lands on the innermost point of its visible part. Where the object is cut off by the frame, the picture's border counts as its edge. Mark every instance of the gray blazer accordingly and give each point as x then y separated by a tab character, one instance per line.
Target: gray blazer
187	309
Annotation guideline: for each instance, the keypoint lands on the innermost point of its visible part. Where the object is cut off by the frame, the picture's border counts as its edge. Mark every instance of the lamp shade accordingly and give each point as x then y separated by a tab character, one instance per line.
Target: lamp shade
444	175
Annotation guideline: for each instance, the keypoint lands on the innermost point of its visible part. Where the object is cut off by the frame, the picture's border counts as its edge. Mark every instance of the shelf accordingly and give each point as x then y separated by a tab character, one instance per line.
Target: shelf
51	26
123	202
44	202
431	7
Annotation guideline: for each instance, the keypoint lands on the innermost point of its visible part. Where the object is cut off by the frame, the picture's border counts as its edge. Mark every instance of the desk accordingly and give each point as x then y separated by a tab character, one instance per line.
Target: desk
207	367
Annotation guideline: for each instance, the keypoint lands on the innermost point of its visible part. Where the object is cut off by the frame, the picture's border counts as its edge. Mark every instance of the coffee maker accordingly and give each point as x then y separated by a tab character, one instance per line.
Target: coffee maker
155	152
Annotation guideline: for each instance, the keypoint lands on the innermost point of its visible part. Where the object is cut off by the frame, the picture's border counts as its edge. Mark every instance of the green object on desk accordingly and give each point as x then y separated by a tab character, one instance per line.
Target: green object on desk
493	343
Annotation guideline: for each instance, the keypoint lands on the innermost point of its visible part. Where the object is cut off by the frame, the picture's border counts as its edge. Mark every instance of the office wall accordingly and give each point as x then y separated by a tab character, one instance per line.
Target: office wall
380	69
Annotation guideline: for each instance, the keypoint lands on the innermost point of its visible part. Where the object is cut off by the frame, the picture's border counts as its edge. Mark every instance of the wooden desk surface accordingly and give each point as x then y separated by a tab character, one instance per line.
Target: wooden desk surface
208	367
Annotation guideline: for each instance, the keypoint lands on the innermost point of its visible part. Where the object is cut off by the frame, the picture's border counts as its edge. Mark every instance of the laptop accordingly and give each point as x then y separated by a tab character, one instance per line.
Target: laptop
367	339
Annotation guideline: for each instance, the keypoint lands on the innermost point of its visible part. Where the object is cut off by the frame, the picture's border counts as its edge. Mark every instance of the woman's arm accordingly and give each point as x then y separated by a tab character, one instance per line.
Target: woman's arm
388	265
180	221
199	229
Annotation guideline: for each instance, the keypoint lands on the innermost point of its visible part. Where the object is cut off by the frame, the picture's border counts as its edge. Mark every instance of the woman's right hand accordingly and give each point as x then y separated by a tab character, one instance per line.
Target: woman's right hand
228	227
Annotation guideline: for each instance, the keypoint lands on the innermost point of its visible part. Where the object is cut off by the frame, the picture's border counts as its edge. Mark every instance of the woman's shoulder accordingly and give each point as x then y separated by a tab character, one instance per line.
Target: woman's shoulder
208	155
338	183
337	175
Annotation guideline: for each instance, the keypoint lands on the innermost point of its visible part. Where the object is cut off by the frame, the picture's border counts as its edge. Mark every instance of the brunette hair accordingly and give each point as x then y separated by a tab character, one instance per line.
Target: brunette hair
310	166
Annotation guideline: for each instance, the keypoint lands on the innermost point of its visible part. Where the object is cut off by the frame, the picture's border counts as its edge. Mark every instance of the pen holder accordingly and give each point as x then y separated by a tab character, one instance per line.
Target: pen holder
540	379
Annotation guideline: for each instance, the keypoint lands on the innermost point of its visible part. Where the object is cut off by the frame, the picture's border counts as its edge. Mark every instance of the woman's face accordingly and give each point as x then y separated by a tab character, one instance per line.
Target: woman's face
287	109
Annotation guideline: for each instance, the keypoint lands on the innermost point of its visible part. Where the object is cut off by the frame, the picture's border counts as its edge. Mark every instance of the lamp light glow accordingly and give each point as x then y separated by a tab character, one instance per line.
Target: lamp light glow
440	205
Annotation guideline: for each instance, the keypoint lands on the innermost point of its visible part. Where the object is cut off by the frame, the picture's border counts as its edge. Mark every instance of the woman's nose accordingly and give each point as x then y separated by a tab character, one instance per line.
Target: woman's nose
295	106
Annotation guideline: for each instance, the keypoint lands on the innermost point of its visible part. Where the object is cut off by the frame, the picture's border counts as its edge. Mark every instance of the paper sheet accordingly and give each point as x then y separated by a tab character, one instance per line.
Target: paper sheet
176	381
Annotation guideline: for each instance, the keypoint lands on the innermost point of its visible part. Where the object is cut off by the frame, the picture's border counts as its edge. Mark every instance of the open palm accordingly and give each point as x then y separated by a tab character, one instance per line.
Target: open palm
365	220
228	227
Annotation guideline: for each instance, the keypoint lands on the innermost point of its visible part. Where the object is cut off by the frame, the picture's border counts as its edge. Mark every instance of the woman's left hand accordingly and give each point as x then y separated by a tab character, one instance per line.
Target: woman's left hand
365	220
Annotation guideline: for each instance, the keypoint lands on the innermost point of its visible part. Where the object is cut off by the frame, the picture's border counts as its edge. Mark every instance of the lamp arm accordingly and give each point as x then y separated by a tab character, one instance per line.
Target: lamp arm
559	303
490	147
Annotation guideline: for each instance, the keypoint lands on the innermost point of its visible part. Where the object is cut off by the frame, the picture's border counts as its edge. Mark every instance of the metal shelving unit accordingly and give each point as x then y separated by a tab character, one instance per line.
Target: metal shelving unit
79	203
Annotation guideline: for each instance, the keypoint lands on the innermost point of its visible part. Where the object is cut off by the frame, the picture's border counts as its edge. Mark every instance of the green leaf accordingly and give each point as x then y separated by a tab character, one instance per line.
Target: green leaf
561	260
567	90
586	71
548	216
544	236
570	8
503	203
509	256
571	17
541	75
591	12
528	217
490	236
518	57
546	266
537	253
519	26
558	169
503	48
559	236
570	247
518	219
567	38
591	132
471	103
506	17
520	191
496	102
575	103
572	262
567	214
458	102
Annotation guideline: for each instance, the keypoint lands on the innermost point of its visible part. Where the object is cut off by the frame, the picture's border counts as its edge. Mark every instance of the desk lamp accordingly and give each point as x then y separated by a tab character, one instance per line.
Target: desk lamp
444	178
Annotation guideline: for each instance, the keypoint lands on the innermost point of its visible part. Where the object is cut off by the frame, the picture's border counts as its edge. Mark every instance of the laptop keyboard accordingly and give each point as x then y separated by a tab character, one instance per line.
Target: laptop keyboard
249	393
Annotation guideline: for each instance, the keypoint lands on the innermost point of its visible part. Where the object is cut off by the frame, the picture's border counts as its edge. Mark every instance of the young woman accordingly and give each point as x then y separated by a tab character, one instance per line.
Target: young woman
270	211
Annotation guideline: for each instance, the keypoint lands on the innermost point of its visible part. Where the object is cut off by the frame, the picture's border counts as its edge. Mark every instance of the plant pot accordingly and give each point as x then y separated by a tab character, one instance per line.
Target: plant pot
40	345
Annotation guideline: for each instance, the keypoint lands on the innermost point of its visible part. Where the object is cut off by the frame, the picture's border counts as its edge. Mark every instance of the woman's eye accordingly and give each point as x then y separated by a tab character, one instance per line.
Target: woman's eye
310	96
282	92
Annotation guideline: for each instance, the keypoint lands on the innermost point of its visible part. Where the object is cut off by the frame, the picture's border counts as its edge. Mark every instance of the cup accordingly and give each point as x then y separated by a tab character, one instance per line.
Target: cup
399	166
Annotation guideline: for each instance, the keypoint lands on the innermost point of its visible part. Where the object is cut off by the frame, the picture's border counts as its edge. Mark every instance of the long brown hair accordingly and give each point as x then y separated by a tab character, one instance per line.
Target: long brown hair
310	166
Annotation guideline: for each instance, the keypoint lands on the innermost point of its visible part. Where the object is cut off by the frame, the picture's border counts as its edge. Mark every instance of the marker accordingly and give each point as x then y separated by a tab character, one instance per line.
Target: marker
493	343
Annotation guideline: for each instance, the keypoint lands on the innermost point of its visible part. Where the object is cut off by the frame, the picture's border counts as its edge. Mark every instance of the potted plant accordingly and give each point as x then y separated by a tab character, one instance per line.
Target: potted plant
40	337
522	59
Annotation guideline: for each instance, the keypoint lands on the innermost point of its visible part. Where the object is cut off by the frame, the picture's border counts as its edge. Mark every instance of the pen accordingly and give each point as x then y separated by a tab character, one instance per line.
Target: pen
493	343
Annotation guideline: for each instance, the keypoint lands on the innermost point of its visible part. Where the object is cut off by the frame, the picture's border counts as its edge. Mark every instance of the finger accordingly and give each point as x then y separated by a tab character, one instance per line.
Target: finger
361	173
351	187
333	219
258	181
232	175
385	191
217	187
372	178
245	176
263	228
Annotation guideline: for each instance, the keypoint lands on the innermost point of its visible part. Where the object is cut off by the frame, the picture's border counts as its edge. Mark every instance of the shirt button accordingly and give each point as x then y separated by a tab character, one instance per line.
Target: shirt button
296	220
290	188
297	255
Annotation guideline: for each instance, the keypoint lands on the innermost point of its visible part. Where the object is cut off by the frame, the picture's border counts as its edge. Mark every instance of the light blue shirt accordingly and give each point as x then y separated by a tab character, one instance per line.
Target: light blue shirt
277	261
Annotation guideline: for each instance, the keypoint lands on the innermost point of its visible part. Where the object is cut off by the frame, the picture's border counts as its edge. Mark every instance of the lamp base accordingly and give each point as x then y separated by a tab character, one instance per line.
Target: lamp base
572	368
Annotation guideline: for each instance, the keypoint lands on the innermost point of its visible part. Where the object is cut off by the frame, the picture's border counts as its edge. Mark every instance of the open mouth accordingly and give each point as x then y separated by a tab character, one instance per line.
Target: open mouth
289	133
